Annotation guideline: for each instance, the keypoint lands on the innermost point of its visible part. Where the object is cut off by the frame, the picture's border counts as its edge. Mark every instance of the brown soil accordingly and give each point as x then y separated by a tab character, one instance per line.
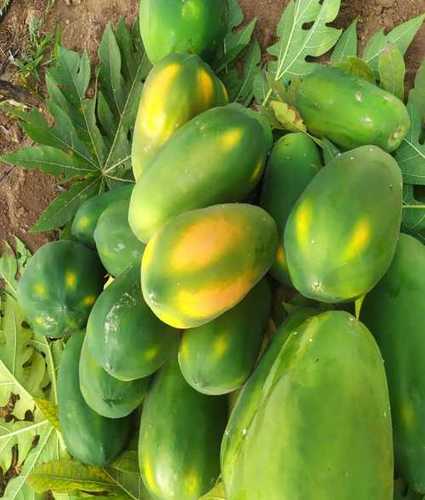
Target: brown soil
23	195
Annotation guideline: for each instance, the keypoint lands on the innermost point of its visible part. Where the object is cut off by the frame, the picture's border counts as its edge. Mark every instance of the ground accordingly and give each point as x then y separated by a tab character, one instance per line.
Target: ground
23	195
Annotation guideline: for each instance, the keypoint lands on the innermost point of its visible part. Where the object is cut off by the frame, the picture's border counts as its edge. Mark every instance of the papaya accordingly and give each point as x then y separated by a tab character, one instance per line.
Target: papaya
59	287
116	244
293	163
350	111
178	88
395	313
204	262
179	440
342	233
106	395
89	437
324	409
217	157
193	26
88	214
249	398
218	357
123	335
403	492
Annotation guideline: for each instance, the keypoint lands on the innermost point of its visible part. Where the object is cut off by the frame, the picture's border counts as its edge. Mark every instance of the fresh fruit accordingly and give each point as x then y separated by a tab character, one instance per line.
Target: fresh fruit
249	399
89	437
395	313
350	111
194	26
178	88
106	395
217	157
124	336
116	244
59	287
342	233
180	433
323	426
293	163
204	262
218	357
88	214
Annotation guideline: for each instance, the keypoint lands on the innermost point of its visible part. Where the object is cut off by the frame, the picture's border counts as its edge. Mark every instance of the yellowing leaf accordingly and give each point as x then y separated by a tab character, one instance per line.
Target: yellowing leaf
288	117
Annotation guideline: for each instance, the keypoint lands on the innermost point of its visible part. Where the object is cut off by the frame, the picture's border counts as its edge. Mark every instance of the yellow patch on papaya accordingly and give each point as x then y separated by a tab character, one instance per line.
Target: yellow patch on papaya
70	279
359	239
214	298
151	353
149	476
154	114
221	345
84	222
206	86
280	255
40	289
303	218
89	300
257	172
148	254
191	10
231	138
168	318
226	94
203	243
39	320
191	482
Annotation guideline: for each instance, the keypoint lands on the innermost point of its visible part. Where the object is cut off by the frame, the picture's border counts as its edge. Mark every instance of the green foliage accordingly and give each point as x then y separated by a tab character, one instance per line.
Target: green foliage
392	70
288	117
90	141
353	65
346	45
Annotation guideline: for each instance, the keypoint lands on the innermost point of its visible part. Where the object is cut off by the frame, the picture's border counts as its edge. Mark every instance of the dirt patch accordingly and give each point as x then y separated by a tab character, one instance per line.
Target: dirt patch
23	195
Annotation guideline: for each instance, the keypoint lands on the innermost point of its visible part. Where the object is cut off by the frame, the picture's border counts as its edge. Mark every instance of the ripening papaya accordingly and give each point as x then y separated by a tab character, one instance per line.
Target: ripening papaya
395	313
322	429
88	214
178	88
89	437
351	111
59	287
204	262
106	395
293	163
218	157
179	440
116	244
192	26
218	357
342	233
123	335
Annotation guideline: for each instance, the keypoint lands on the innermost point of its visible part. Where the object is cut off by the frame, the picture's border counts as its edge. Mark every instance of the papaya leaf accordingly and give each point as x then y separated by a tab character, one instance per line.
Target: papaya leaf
8	269
401	36
413	221
296	43
234	43
346	45
402	491
392	70
288	117
217	493
260	87
411	154
127	462
357	67
63	208
49	410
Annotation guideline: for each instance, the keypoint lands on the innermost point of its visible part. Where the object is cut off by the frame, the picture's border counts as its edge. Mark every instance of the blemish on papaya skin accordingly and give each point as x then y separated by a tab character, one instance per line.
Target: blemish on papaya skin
231	139
39	320
206	86
221	345
84	222
154	115
40	289
70	279
303	218
359	239
203	243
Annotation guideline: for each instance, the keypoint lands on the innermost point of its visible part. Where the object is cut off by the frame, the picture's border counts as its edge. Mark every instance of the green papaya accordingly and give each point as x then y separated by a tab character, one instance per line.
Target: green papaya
293	163
395	313
342	233
89	437
178	88
123	335
88	214
323	425
193	26
59	287
217	157
403	492
249	398
106	395
180	433
204	262
350	111
218	357
116	244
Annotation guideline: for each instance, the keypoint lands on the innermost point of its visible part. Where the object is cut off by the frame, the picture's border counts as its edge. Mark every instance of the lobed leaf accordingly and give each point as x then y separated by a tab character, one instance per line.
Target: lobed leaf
346	45
392	70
